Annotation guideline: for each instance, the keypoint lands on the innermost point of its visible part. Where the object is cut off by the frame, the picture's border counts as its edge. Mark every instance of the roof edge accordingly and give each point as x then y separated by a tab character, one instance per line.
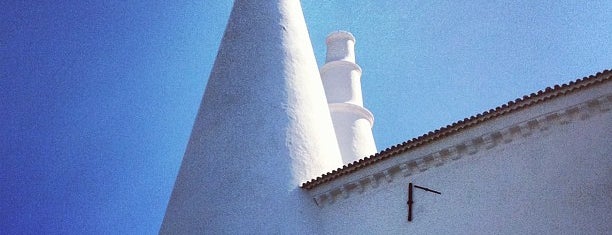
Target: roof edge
520	103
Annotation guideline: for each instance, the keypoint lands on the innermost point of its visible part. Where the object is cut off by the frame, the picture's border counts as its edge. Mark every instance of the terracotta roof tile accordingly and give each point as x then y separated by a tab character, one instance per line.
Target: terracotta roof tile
518	104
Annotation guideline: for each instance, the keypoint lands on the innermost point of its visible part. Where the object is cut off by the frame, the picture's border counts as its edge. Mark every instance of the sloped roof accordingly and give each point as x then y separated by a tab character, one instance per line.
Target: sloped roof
510	107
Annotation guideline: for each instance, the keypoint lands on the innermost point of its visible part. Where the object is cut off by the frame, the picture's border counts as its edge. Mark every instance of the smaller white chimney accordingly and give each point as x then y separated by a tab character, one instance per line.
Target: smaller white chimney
342	82
340	46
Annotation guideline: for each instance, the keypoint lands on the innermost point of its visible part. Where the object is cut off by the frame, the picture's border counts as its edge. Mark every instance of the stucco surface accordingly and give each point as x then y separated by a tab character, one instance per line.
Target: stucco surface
555	178
342	82
263	128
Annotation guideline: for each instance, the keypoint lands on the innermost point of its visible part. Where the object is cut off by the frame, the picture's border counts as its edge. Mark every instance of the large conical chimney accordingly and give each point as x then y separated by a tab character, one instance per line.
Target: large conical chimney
263	128
342	80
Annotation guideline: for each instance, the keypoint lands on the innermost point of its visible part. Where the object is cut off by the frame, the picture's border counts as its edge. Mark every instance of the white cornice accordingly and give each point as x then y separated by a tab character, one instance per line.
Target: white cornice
339	64
338	35
405	165
352	108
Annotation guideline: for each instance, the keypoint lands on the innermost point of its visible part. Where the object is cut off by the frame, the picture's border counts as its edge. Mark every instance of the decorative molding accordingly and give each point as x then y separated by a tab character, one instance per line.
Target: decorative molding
336	64
548	94
354	109
490	140
339	35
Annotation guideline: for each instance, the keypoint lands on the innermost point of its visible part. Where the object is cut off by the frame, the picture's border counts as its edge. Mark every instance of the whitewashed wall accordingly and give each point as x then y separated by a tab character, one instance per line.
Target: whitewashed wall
547	171
263	127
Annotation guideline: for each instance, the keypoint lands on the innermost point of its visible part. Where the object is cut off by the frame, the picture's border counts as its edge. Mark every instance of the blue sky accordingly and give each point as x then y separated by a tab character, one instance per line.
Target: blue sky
97	98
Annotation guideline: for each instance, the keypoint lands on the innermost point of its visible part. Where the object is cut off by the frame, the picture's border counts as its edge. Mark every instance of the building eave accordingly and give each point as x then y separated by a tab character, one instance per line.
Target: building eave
526	101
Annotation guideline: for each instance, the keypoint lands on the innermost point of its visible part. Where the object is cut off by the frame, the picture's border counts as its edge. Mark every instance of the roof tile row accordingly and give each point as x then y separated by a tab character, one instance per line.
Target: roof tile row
519	103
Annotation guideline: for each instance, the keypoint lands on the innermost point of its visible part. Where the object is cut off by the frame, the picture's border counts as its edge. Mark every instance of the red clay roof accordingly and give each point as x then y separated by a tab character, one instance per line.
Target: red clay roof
511	106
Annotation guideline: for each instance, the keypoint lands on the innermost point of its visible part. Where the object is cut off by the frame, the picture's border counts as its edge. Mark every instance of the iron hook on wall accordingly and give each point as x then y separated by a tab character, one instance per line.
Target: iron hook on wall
410	202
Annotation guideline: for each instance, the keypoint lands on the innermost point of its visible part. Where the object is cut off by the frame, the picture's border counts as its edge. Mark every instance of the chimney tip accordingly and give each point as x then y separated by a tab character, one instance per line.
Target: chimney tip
340	46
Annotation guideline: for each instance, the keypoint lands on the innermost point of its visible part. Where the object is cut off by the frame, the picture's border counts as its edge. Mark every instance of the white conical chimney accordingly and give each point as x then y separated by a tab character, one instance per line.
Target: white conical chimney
263	128
342	82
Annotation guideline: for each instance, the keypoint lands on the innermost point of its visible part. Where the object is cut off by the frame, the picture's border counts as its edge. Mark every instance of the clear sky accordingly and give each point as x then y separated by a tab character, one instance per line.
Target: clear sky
97	98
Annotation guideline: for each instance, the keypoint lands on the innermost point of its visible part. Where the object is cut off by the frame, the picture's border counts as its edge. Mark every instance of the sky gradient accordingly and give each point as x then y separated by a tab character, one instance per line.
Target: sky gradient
97	98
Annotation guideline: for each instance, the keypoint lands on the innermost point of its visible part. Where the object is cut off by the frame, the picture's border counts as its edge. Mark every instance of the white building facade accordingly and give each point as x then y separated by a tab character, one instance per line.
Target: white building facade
541	165
271	124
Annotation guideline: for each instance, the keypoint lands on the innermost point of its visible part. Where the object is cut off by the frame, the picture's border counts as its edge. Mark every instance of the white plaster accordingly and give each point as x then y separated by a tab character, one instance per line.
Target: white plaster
552	180
263	128
340	46
342	81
